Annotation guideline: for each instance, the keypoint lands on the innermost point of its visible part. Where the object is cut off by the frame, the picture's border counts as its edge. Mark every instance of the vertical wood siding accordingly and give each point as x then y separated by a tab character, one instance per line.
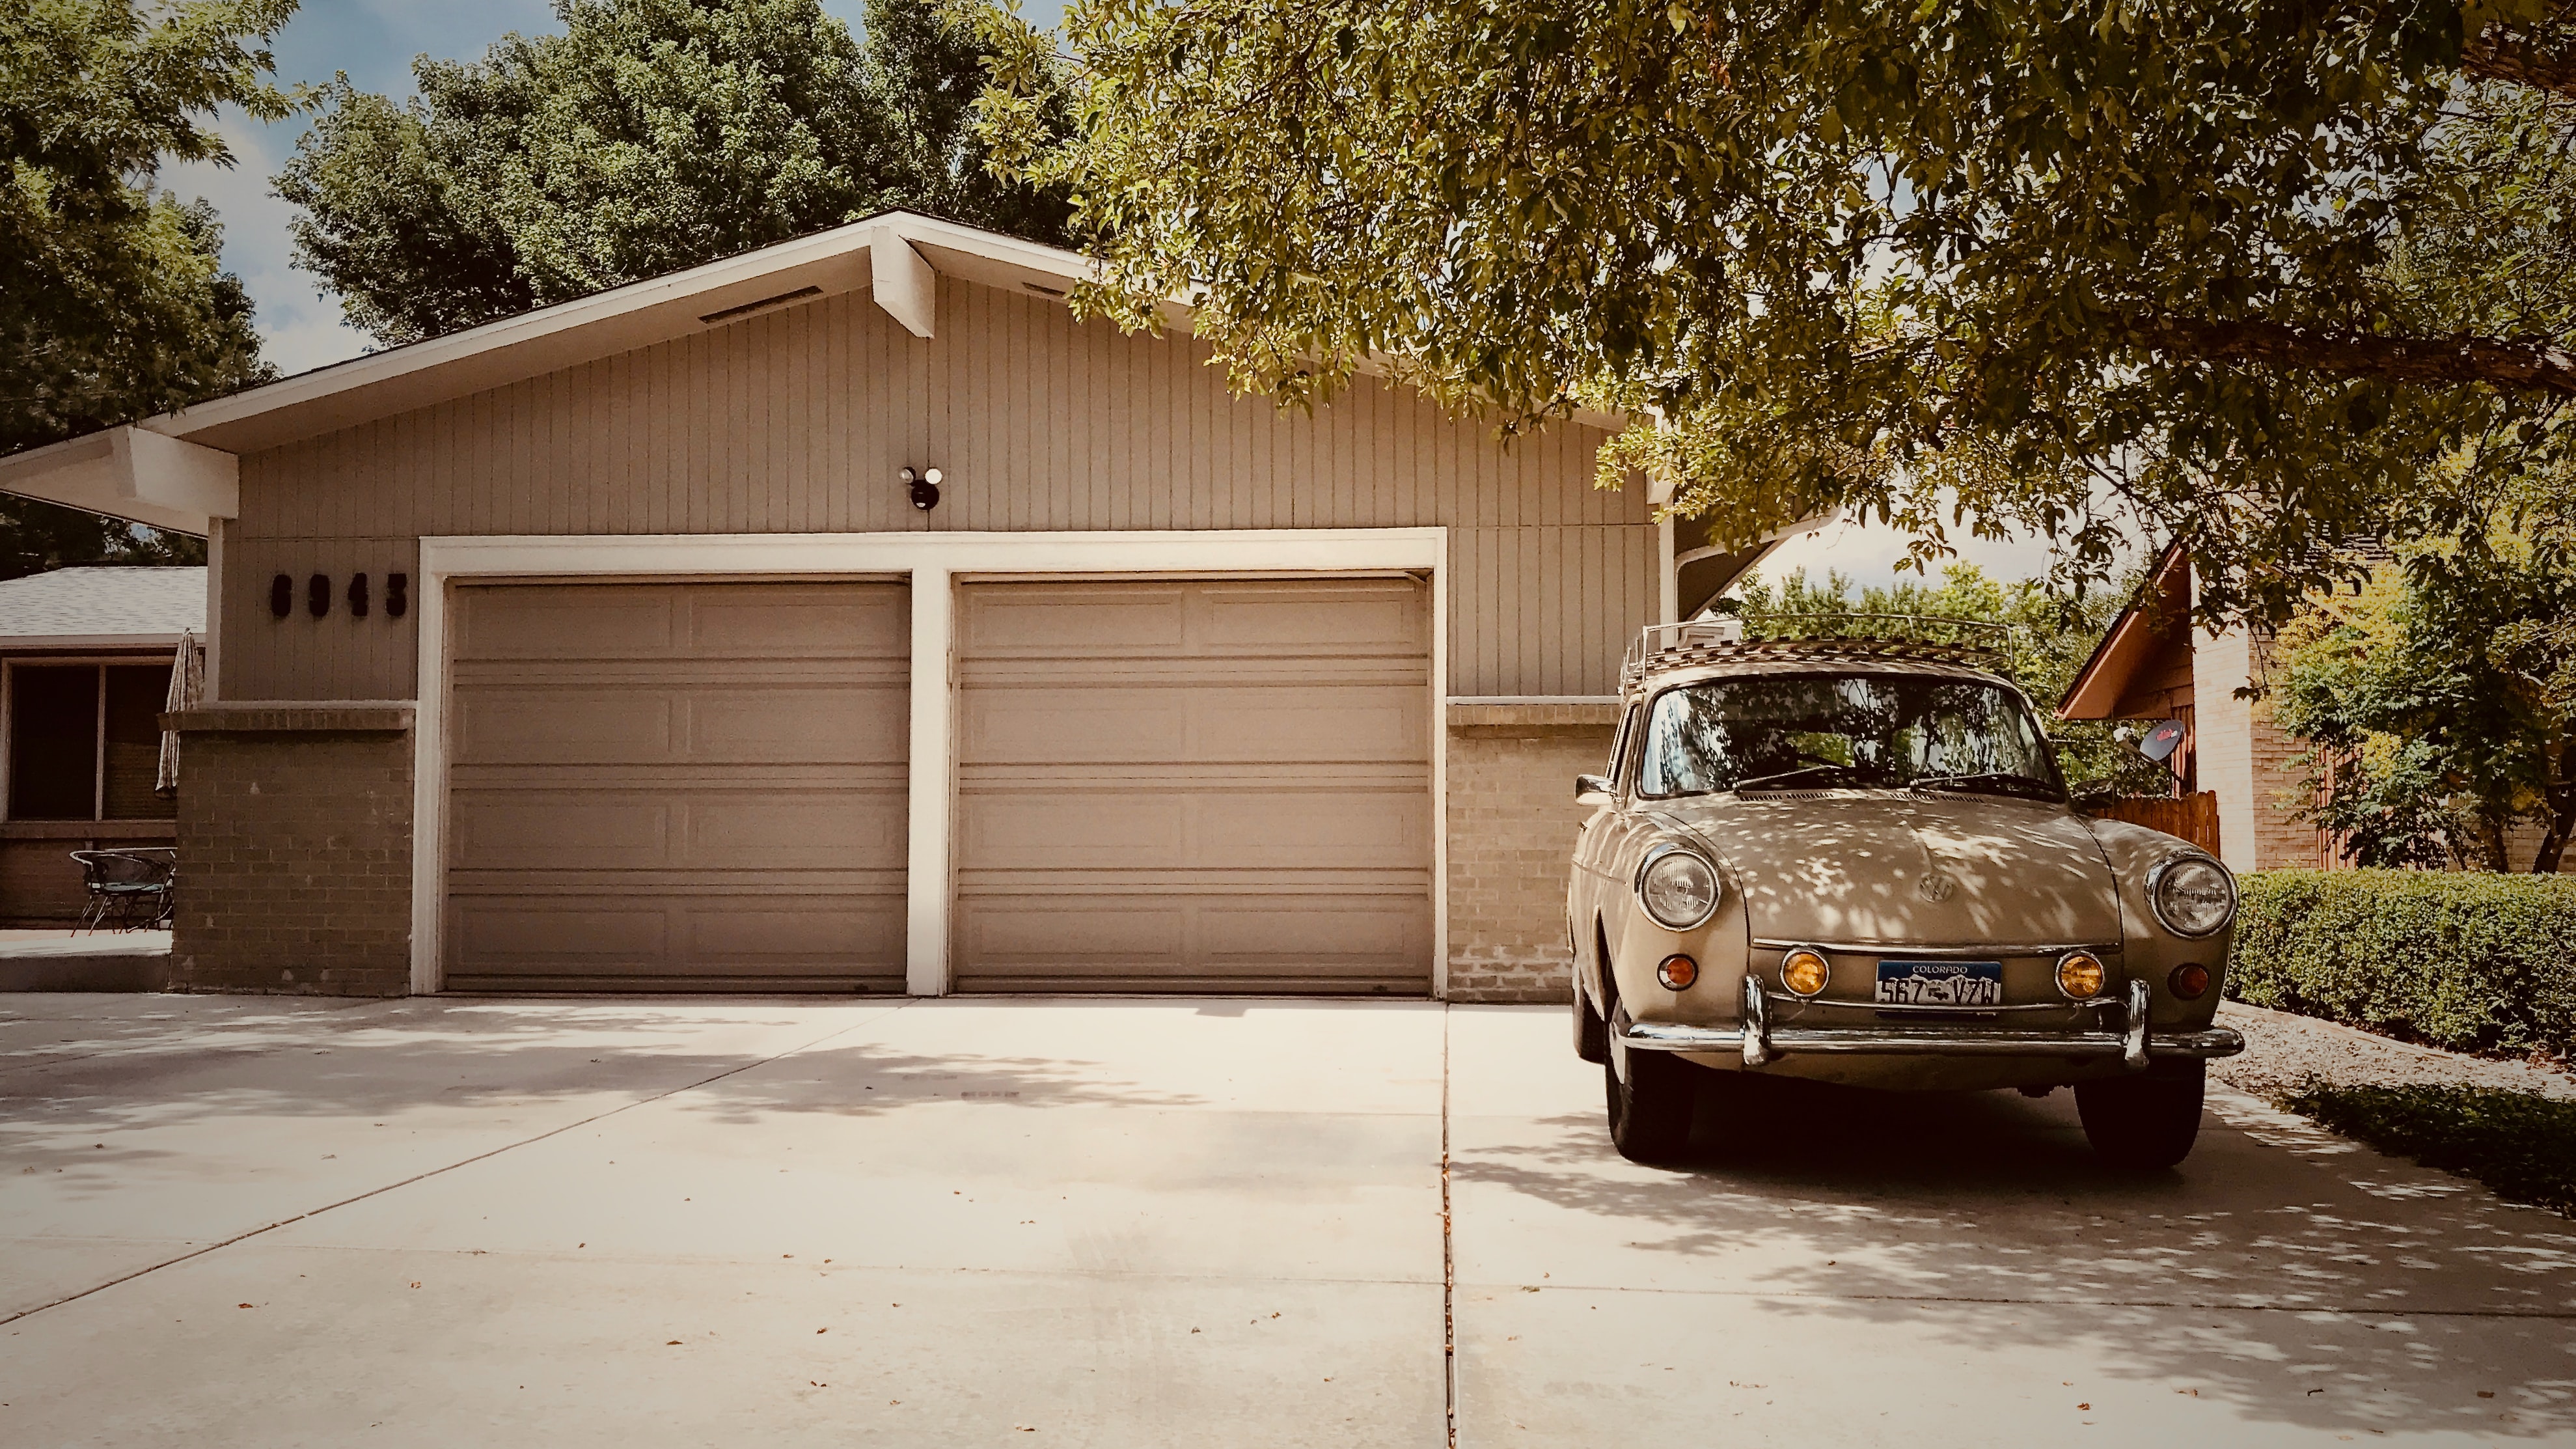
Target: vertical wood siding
797	420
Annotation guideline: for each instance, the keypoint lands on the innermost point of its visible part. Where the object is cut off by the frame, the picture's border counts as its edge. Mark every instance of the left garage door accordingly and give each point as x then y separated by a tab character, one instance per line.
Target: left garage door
677	787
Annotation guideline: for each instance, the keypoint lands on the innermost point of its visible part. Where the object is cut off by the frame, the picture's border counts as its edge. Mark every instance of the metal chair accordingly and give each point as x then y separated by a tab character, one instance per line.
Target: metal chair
129	890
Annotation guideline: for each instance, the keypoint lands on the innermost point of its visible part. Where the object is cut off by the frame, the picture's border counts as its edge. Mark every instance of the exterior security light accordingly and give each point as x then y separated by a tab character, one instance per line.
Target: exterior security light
924	486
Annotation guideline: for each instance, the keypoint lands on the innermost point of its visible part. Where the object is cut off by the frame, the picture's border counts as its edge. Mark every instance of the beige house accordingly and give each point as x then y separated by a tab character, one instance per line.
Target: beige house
848	616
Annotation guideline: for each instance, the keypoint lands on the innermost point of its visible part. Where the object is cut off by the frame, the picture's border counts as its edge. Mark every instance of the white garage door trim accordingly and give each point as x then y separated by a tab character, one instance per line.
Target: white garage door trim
930	562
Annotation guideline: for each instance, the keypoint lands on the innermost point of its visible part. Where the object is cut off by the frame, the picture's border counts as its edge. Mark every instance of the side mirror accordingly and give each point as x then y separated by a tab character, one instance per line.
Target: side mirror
1591	790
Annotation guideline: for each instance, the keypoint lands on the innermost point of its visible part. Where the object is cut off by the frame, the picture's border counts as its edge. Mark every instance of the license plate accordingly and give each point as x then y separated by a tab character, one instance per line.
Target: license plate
1941	983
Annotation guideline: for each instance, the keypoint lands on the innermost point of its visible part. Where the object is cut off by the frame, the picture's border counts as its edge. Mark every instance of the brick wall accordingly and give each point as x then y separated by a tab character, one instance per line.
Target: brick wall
1512	819
295	830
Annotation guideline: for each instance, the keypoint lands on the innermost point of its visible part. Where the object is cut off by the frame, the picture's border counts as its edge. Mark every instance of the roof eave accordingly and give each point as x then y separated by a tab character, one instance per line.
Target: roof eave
2098	687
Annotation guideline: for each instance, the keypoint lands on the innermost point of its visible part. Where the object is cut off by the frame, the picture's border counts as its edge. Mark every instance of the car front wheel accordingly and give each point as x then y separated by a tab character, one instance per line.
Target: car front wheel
2143	1122
1650	1106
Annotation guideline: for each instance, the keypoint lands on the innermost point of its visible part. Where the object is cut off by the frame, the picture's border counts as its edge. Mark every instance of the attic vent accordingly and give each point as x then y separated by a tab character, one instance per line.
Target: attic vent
799	295
1044	291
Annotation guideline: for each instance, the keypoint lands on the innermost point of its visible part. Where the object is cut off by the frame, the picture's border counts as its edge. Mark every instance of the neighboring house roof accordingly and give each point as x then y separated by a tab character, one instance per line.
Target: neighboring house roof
102	608
181	469
2138	645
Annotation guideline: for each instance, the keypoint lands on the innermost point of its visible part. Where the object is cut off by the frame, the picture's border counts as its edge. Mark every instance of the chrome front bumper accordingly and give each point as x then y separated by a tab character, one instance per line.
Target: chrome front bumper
1758	1041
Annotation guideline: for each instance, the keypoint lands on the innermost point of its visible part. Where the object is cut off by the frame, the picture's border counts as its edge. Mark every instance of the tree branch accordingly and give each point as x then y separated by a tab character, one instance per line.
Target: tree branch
2514	366
2521	55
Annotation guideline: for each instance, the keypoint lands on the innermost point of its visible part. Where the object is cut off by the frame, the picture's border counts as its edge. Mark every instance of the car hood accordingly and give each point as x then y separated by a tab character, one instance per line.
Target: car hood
1890	868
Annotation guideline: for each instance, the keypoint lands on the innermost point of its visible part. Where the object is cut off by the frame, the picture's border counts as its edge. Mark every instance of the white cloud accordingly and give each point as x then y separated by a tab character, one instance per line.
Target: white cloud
300	326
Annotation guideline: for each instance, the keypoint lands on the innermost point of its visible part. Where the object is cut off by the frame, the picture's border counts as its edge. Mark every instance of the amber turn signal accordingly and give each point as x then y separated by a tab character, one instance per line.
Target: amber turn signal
2080	975
2188	981
1805	971
1677	972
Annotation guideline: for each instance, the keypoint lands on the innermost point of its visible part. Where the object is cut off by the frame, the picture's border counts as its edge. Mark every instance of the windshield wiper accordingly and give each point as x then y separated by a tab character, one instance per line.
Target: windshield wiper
2003	780
1761	781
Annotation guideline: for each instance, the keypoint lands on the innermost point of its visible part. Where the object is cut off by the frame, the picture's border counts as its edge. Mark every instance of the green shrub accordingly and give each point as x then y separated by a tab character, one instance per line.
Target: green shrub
2460	960
2519	1143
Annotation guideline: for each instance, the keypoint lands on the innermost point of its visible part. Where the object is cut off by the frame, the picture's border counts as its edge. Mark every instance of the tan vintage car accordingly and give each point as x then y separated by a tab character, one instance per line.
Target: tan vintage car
1855	861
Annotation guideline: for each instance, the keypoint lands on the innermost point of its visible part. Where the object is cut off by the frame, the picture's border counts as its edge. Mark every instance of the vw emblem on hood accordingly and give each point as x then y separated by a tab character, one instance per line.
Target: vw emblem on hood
1936	887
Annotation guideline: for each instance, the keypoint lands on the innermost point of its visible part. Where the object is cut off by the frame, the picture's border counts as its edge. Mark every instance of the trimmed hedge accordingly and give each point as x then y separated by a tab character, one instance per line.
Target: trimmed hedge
2467	961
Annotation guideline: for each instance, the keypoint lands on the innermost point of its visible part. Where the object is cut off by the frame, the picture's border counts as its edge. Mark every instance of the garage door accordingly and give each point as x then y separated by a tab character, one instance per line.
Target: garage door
1194	786
677	787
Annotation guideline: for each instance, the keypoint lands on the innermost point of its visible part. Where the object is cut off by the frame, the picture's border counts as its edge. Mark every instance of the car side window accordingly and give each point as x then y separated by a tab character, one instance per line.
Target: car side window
1619	745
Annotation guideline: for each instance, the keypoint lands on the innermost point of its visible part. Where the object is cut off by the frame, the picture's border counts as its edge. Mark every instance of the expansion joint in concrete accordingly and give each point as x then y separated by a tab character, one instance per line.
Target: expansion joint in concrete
1448	1251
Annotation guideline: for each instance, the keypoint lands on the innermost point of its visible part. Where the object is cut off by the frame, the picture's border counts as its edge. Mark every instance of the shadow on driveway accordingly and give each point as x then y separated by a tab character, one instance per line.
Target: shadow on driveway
1977	1222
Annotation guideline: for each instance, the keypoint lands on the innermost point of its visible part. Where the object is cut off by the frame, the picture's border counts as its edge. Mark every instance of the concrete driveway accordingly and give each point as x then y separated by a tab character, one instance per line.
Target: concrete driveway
232	1221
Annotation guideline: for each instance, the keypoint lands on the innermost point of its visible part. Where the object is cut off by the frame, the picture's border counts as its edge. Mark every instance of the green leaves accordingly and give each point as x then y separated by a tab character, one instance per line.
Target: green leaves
116	305
1841	254
2436	700
650	136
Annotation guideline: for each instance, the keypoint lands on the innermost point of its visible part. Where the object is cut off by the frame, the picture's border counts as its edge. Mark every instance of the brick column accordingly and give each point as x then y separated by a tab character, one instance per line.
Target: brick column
1512	819
294	849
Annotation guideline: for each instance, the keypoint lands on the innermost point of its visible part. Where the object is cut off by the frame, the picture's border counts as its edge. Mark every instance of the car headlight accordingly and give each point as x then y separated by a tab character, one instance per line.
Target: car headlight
1678	887
2192	894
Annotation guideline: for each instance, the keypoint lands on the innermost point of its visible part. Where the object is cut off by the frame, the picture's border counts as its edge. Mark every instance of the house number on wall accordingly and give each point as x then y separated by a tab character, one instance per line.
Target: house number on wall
317	595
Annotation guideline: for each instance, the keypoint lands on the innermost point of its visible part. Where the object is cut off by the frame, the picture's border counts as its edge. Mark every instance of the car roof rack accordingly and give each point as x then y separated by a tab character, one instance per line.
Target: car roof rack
1660	647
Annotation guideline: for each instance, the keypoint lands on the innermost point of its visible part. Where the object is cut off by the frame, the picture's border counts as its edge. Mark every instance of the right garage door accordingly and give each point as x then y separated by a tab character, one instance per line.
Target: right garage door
1194	786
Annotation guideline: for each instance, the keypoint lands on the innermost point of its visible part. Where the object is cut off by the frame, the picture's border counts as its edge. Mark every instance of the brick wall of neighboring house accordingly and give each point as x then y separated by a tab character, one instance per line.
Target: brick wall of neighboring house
1512	819
295	833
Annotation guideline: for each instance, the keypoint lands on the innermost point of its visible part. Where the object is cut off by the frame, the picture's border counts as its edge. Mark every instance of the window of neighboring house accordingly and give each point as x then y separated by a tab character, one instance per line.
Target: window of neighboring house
85	741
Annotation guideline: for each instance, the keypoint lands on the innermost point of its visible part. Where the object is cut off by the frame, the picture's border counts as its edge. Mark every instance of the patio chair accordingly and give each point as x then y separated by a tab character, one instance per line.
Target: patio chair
129	889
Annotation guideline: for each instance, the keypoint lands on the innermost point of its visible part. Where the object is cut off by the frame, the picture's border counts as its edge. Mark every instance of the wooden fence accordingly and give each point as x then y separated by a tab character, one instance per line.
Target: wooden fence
2193	817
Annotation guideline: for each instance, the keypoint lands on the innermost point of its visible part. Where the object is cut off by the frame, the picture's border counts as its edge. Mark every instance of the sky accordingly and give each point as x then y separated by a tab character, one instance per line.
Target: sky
1868	553
375	40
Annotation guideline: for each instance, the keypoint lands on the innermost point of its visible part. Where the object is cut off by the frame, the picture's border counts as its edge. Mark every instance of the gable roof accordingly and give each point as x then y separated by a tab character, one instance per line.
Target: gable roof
103	607
2160	608
180	469
891	254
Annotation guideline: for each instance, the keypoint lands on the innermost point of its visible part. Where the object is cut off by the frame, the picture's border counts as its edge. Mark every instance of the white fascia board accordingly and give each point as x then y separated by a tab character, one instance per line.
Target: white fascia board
126	472
567	334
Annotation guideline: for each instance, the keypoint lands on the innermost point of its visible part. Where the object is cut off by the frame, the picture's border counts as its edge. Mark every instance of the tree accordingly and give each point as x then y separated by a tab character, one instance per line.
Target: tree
2044	642
117	305
649	136
2434	702
1955	264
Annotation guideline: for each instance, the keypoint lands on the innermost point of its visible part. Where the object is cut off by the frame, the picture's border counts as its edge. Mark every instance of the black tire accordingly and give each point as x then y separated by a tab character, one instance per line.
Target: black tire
1650	1108
2146	1122
1591	1033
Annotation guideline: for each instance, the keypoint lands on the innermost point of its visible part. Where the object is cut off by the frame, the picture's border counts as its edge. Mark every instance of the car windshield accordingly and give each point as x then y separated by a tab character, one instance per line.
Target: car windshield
1842	731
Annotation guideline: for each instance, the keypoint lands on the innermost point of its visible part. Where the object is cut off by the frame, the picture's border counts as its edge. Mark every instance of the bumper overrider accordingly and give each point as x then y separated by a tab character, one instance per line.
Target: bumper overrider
2127	1036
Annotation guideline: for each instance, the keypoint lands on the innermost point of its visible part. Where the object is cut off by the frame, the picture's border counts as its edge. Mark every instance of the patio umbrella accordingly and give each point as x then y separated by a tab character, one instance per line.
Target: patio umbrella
187	685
